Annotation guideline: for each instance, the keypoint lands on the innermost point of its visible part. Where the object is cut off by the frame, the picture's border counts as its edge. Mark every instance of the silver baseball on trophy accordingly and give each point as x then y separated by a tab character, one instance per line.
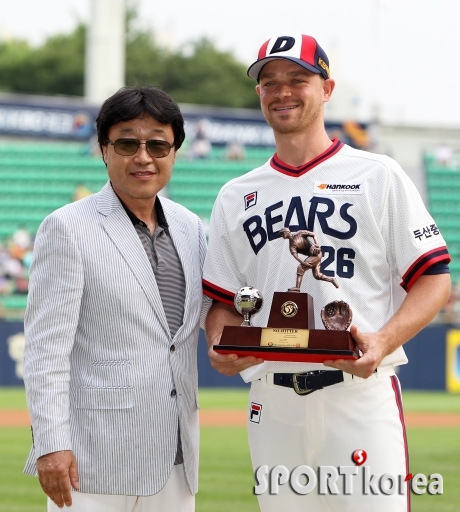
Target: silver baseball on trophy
247	302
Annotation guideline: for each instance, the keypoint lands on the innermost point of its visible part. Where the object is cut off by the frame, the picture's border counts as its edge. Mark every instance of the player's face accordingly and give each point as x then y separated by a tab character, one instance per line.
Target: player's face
292	97
139	176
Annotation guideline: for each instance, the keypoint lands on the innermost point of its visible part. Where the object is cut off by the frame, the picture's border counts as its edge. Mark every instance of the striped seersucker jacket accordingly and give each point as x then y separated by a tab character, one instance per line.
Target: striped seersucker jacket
98	366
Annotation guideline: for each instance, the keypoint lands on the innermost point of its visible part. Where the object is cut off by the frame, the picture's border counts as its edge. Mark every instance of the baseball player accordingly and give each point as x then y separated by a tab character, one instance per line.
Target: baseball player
381	246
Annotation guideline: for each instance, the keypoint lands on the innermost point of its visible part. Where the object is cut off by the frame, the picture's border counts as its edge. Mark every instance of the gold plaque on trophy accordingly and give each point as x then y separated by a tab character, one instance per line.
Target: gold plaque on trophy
282	337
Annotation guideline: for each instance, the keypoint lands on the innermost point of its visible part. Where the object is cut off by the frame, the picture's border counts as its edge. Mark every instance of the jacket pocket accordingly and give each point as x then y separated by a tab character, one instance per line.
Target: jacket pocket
103	398
108	374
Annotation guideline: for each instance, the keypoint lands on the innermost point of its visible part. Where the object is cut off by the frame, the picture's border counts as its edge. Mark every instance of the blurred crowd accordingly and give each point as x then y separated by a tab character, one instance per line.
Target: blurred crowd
15	260
199	146
447	156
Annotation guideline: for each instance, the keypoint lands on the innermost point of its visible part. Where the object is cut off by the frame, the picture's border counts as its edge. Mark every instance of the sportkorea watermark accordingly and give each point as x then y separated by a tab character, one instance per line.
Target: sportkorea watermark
344	479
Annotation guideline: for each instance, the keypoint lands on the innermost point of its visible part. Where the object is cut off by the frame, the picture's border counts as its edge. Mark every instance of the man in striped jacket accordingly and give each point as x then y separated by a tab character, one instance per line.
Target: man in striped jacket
112	326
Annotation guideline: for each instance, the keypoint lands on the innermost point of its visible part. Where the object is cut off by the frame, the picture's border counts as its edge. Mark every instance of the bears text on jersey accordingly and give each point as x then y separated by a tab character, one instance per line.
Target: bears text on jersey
262	230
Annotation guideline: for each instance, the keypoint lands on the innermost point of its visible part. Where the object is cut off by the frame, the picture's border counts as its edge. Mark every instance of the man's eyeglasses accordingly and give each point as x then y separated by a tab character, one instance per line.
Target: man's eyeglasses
128	147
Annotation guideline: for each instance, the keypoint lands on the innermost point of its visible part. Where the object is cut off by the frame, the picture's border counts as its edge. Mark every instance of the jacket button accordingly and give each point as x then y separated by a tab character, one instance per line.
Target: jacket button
173	392
172	348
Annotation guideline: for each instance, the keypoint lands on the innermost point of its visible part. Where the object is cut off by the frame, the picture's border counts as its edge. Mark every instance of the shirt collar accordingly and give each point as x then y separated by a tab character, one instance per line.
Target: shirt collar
296	172
161	218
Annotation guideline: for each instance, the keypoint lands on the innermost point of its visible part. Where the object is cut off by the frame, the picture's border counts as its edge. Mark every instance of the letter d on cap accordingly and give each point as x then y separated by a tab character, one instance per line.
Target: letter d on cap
283	44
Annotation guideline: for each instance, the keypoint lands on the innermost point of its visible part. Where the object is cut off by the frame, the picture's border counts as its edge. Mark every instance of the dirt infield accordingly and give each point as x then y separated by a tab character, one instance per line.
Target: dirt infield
222	418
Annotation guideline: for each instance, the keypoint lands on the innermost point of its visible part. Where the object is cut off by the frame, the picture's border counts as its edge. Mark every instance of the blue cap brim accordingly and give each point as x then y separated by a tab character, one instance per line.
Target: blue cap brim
255	69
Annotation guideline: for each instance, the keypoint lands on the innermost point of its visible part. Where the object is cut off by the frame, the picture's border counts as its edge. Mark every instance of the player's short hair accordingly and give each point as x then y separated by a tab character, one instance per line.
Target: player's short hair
134	102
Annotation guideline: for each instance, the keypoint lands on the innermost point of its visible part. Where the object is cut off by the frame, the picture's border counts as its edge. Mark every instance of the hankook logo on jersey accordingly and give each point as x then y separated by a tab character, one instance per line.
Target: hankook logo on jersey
250	200
335	188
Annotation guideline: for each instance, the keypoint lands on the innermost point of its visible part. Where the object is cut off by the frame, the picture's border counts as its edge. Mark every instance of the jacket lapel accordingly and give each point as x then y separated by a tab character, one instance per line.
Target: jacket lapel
120	229
180	236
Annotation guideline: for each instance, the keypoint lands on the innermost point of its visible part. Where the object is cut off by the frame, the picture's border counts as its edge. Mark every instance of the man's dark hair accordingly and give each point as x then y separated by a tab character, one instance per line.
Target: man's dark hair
133	102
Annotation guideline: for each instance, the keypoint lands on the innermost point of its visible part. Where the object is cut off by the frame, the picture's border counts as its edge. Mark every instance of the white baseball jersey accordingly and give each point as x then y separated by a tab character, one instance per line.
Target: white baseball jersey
376	237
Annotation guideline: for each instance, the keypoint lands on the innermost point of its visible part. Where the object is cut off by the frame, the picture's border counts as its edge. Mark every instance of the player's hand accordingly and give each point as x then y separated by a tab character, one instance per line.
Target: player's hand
231	364
58	471
372	347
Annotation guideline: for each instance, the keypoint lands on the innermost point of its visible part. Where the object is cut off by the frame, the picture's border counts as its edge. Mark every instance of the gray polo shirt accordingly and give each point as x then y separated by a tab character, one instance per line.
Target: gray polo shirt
168	272
166	265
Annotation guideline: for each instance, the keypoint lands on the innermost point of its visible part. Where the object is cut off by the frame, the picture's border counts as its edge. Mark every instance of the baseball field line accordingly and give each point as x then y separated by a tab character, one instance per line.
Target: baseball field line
237	418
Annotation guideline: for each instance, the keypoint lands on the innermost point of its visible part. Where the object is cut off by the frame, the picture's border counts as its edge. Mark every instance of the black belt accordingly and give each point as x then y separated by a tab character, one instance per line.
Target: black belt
306	383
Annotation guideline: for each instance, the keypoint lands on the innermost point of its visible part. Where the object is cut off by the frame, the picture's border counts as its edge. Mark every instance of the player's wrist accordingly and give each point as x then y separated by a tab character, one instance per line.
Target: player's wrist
214	340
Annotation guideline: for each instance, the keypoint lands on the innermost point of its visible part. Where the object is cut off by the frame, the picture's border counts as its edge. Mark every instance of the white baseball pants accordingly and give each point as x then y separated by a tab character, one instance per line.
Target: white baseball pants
324	429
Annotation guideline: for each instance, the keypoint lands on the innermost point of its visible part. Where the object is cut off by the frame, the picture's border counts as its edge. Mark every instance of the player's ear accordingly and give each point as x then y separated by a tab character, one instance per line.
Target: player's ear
328	87
258	90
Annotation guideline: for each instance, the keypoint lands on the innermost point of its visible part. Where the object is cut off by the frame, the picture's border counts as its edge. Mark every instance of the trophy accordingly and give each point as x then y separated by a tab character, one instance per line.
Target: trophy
290	334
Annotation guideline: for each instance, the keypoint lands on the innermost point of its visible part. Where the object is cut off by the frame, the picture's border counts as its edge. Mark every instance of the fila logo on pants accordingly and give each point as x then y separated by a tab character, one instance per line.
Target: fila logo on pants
255	412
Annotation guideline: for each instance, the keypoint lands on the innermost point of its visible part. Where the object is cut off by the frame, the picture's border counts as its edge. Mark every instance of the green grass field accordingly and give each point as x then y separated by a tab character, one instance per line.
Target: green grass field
226	478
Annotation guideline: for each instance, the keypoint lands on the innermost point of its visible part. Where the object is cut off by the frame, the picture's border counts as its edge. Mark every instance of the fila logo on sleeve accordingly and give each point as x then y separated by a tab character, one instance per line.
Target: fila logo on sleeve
250	200
255	412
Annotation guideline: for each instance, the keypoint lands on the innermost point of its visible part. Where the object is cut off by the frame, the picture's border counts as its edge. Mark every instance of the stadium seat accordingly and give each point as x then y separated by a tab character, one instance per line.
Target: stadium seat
443	194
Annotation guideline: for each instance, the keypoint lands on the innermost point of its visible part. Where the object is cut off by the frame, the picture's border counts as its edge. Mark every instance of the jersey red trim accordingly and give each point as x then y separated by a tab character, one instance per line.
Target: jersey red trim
216	293
425	261
296	172
397	392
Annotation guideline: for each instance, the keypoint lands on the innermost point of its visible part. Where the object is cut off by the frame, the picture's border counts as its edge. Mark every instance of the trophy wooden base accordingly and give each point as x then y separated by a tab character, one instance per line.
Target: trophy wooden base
298	355
288	338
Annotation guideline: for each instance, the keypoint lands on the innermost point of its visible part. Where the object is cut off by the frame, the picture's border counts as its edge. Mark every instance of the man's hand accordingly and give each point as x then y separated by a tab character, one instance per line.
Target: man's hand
371	345
426	297
231	364
58	471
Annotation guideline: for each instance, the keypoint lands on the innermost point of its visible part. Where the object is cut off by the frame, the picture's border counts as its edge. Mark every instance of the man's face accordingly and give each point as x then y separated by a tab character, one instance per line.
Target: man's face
140	176
291	97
